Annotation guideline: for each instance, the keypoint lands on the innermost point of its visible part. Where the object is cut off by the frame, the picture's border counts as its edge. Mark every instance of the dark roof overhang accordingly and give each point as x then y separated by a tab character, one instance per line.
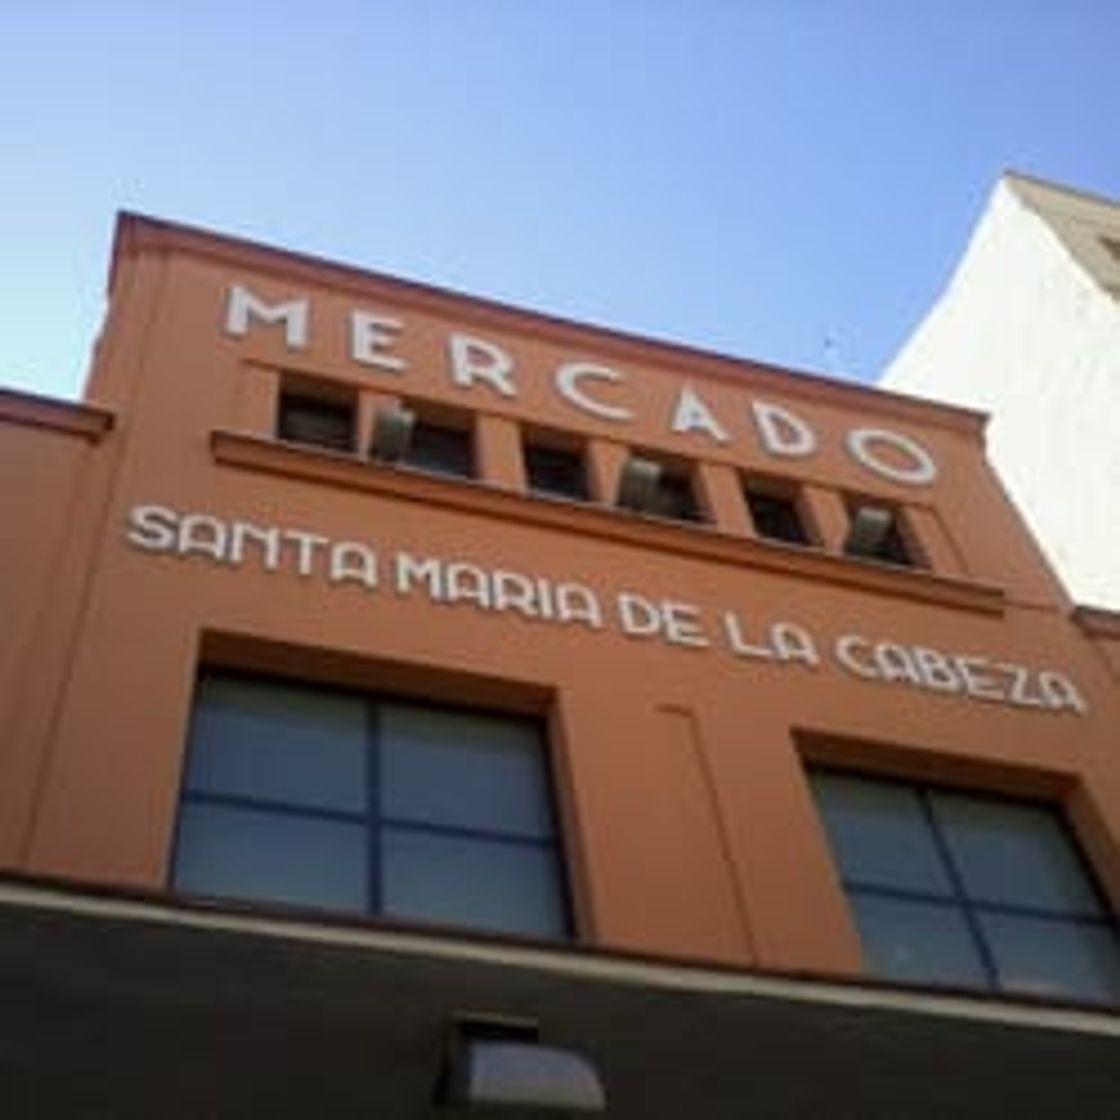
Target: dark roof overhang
123	1008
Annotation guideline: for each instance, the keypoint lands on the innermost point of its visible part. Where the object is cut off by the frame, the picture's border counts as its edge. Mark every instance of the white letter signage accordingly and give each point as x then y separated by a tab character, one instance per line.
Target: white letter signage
783	432
569	379
921	469
295	315
370	336
475	359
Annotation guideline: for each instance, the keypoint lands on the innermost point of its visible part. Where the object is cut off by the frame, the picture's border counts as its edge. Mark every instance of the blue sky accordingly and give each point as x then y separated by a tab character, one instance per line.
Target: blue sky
751	176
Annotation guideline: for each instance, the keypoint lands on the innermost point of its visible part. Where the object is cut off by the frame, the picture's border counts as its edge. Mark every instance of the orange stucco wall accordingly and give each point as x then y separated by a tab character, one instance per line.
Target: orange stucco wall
689	824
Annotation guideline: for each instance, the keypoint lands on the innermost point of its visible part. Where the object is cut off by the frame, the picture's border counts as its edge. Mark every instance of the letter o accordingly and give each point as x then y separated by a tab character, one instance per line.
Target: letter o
921	472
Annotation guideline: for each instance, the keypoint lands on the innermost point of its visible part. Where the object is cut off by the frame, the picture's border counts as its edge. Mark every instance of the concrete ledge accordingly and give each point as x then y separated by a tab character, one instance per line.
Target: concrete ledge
31	410
648	533
130	1008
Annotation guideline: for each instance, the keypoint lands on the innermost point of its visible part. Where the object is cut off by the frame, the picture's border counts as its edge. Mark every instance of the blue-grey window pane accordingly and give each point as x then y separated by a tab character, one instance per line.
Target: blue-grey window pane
924	942
1053	957
880	834
489	884
279	743
1010	852
465	770
247	853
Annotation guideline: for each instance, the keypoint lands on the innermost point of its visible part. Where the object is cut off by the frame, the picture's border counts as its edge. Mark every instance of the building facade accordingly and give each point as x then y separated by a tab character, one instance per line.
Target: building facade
1028	328
378	657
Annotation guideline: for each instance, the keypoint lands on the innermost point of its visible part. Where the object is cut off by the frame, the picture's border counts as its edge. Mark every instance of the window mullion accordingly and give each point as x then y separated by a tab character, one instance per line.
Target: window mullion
373	805
960	895
467	832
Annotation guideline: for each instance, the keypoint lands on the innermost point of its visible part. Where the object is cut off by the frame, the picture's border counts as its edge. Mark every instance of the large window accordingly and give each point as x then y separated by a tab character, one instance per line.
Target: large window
335	800
952	888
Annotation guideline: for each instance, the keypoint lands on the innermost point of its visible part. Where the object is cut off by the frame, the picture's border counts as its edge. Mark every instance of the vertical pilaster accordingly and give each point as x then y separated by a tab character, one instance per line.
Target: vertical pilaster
500	461
258	399
604	464
775	842
828	515
722	495
370	402
934	542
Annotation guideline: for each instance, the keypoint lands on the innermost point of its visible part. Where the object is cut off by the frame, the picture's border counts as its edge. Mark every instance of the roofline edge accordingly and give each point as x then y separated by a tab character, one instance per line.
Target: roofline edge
135	233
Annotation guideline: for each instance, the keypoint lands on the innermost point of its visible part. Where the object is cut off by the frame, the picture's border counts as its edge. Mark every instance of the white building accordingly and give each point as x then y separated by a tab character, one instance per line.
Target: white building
1029	330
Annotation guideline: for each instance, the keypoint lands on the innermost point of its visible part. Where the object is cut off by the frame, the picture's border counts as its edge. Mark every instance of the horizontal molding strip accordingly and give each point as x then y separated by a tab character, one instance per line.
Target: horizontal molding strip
701	542
33	411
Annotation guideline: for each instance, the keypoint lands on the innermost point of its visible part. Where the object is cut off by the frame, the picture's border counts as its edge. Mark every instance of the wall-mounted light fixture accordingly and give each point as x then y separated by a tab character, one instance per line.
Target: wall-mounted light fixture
495	1062
392	433
639	484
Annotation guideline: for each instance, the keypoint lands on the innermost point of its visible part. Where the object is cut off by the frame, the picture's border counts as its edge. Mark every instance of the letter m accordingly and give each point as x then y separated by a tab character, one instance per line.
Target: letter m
243	305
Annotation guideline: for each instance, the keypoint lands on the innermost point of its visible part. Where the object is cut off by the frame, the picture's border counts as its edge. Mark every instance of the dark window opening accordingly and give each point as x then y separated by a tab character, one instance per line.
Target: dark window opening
558	472
676	496
441	448
877	532
318	421
948	887
649	485
776	516
336	800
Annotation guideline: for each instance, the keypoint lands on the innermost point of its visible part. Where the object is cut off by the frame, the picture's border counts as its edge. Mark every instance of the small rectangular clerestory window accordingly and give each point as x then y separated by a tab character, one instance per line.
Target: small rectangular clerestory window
877	531
429	438
650	484
316	415
555	469
776	511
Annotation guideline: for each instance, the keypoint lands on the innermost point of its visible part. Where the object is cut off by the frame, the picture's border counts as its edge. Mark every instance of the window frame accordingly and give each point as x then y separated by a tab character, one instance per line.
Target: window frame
373	820
536	441
766	488
959	899
294	390
902	548
437	420
679	476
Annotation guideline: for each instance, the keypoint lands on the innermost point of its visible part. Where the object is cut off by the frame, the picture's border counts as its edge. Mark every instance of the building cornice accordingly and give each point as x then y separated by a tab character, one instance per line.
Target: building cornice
136	234
30	410
1097	622
1032	189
